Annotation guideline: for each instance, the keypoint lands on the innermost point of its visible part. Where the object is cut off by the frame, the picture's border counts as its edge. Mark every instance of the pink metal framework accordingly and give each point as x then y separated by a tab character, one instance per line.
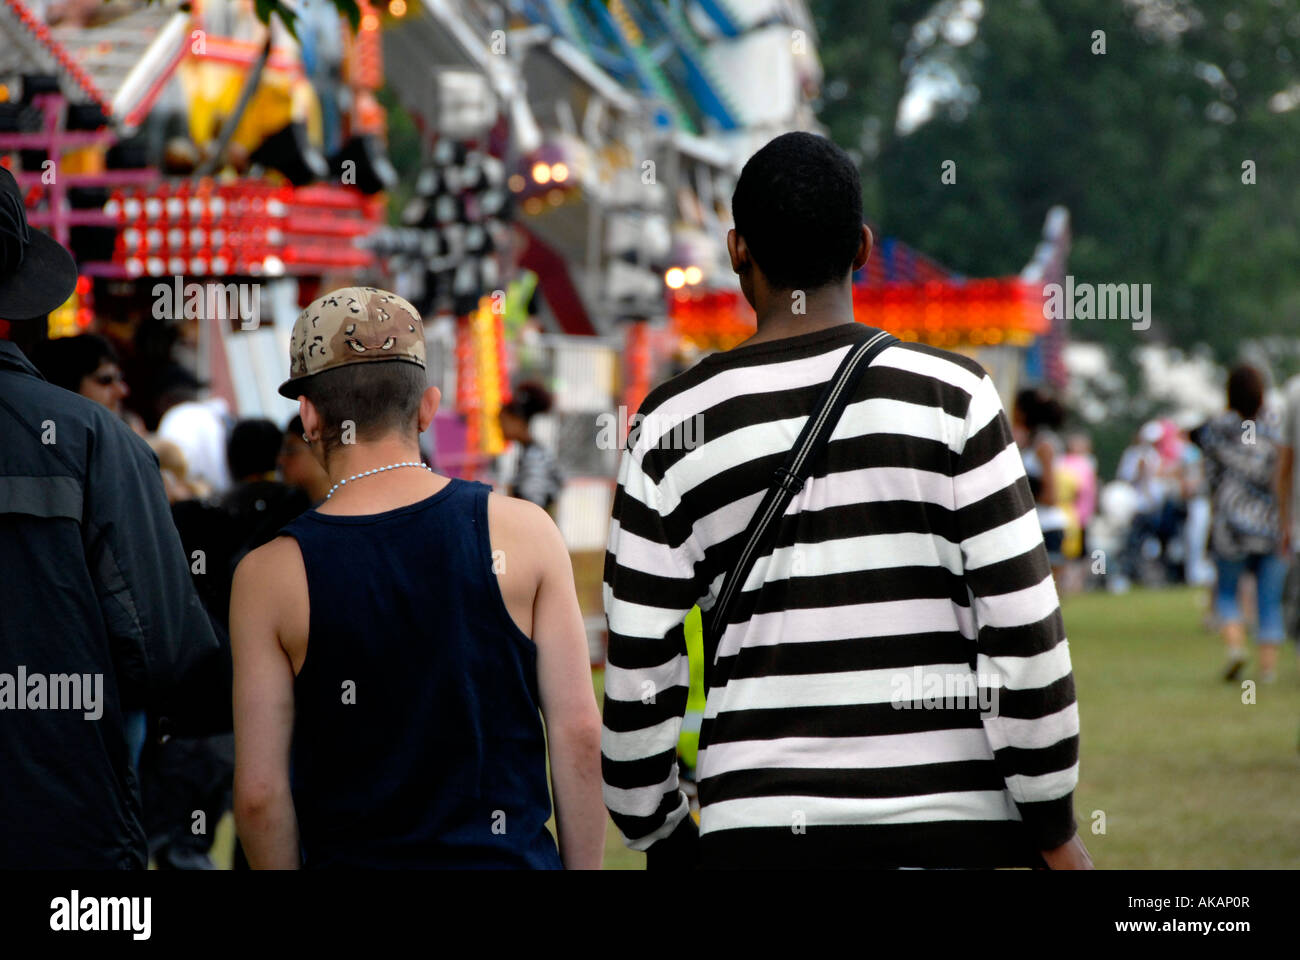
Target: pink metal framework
175	225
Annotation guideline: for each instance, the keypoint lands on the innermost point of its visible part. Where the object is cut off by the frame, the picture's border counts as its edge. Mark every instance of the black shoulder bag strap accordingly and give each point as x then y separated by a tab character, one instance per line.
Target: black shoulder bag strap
790	475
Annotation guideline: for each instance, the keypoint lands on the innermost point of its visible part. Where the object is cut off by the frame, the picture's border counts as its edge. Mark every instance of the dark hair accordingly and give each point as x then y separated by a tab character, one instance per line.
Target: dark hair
376	397
253	448
529	399
798	204
66	360
1245	390
295	426
1039	409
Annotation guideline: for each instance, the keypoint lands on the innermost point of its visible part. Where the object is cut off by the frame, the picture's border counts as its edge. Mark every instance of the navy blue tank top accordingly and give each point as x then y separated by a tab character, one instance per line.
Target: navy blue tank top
417	740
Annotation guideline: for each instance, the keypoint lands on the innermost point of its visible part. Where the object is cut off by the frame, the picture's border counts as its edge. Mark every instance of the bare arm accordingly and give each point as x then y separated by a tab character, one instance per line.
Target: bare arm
568	704
263	705
1047	492
1071	855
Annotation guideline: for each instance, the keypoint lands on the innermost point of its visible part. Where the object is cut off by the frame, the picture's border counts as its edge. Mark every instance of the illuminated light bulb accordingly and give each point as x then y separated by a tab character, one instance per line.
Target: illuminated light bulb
517	183
559	172
555	197
397	8
675	278
693	275
533	205
369	22
541	173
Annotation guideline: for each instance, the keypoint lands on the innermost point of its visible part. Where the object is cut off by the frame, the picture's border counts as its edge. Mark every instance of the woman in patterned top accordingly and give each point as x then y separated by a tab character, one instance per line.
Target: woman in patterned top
537	477
1241	455
1036	420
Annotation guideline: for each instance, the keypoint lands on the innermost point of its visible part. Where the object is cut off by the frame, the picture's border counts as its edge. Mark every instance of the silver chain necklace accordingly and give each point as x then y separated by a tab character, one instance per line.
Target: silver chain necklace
366	473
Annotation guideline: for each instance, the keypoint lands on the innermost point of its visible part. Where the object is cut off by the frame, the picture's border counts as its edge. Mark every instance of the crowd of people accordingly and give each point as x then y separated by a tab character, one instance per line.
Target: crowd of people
375	664
1208	502
232	486
865	509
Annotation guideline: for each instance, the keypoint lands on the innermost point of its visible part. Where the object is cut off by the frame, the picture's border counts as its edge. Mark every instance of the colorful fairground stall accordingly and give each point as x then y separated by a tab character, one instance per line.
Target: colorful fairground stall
998	321
209	173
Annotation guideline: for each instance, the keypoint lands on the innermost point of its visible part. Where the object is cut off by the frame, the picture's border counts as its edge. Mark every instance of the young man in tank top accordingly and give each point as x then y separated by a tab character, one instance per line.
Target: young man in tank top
394	646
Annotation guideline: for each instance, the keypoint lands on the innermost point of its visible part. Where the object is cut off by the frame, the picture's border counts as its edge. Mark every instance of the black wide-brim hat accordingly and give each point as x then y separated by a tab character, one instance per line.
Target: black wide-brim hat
36	274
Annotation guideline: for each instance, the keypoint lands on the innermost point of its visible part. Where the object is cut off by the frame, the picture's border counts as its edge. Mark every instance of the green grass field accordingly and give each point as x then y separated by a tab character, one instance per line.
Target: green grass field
1186	775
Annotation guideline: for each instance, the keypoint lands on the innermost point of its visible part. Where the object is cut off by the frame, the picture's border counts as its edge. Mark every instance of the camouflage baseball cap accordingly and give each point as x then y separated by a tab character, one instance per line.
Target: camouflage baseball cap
352	325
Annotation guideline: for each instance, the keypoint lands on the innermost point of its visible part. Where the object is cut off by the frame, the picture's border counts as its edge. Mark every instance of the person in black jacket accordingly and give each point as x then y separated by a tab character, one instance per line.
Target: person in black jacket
97	613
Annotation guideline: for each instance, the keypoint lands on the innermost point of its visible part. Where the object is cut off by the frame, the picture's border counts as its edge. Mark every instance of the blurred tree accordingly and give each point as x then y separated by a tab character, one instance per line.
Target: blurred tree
1144	143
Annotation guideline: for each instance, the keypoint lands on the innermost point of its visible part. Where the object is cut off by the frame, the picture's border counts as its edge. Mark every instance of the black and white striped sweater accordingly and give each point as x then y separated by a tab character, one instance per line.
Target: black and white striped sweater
893	687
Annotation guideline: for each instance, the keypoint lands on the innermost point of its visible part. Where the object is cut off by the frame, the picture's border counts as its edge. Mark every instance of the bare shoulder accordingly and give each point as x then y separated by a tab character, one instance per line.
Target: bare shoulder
521	520
271	556
271	568
527	536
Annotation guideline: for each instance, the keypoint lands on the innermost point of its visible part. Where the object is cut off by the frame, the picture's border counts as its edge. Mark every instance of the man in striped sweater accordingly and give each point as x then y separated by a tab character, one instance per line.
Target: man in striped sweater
892	687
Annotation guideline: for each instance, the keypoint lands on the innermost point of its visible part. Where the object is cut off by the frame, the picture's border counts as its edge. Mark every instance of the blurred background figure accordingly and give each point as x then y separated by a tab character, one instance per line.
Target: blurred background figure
1078	475
1198	568
298	467
536	475
1241	454
89	365
1142	469
1288	502
259	504
1036	420
175	472
197	426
